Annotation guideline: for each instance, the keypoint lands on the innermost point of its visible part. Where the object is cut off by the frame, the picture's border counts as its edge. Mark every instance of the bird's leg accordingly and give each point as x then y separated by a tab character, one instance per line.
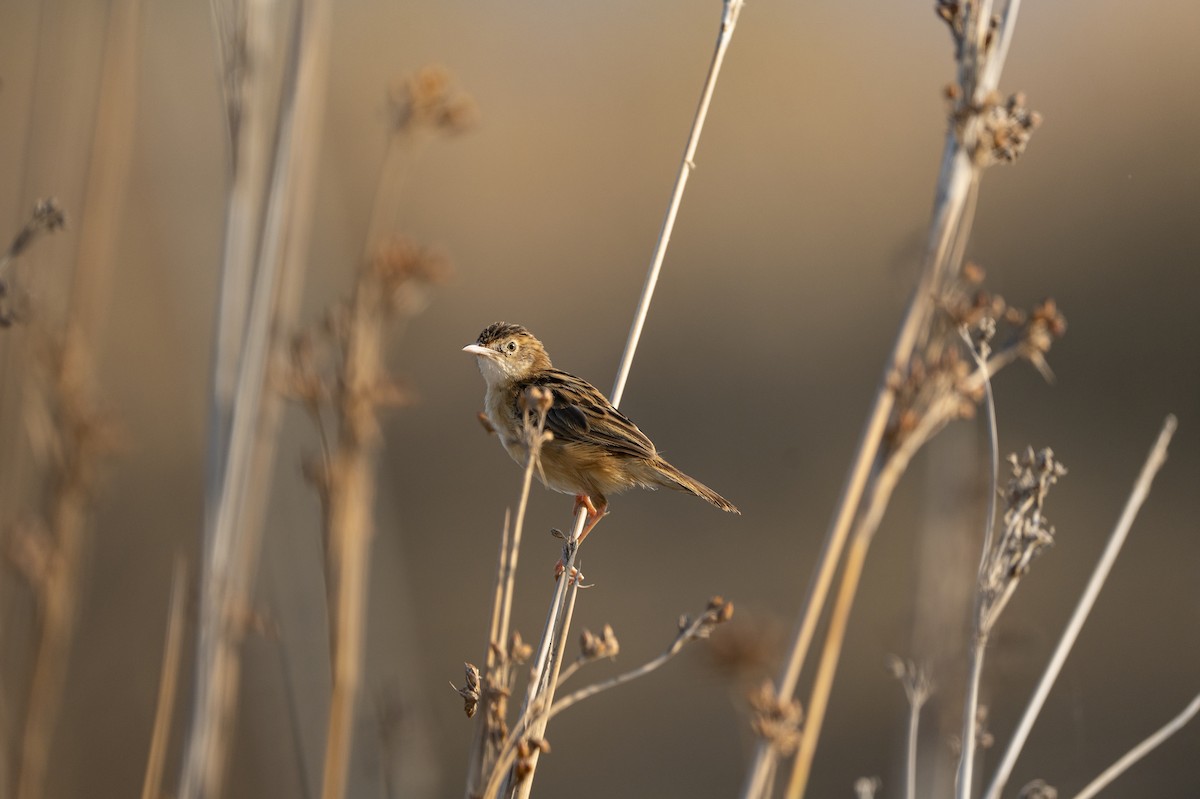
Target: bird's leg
594	516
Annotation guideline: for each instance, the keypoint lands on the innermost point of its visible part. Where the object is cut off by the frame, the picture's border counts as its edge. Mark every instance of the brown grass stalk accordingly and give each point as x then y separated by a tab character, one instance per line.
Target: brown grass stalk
267	220
81	434
168	681
501	658
351	491
965	154
80	440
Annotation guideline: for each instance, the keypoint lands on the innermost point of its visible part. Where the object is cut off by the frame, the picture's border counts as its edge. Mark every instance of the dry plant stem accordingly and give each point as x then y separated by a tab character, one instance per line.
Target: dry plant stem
266	233
729	17
168	680
953	208
562	602
1141	489
910	751
57	592
538	728
1141	750
542	687
108	169
983	626
882	485
351	526
482	757
954	188
690	633
583	693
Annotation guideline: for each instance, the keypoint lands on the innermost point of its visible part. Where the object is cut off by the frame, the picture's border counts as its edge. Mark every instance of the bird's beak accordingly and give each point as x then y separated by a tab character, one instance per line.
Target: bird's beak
475	349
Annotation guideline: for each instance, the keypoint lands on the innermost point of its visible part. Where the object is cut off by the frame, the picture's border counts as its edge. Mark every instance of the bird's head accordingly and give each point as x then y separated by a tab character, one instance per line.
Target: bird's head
507	353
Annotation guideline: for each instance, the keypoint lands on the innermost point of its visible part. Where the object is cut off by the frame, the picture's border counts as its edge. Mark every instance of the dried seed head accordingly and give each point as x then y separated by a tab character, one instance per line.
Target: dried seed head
470	690
593	647
518	651
775	720
47	217
867	787
430	100
1007	128
1038	789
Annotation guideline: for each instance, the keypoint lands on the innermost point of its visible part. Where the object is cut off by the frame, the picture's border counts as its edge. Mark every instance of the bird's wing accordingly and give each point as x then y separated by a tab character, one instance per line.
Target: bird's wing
581	414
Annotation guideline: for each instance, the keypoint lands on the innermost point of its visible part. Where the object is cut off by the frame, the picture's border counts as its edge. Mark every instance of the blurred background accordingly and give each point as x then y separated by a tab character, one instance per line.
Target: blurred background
793	259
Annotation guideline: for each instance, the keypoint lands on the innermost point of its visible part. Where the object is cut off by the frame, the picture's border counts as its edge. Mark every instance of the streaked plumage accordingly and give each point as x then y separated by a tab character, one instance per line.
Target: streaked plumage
596	451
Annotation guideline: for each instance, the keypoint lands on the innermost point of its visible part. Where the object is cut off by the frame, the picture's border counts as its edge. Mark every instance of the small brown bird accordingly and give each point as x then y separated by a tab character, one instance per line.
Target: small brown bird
595	450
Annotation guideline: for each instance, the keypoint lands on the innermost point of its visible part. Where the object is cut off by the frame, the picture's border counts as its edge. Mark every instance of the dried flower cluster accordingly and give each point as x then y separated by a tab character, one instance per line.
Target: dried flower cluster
776	720
430	100
1038	789
914	677
943	382
470	689
395	282
719	611
526	760
1007	128
47	217
404	272
1026	532
867	787
595	647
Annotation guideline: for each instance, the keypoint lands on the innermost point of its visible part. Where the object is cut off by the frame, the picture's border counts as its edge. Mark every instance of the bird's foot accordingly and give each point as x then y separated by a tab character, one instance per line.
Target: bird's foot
594	514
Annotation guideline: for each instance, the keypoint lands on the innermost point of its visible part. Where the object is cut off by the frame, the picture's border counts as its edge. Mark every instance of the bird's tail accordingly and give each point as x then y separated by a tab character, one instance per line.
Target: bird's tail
673	478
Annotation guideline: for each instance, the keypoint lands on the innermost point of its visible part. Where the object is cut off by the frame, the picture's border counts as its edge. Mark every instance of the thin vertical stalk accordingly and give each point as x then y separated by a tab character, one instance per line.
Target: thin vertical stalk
168	680
540	693
482	756
982	629
351	527
1137	497
952	216
72	388
910	750
729	19
267	227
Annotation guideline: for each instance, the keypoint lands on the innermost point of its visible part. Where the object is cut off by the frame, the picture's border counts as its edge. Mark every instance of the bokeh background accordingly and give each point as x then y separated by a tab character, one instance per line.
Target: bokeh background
791	263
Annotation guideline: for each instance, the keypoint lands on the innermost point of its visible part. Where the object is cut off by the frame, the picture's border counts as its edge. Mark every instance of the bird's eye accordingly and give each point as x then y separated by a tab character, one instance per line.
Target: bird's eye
510	346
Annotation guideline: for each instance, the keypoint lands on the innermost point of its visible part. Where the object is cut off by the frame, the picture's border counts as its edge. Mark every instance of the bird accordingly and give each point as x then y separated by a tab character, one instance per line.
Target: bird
594	450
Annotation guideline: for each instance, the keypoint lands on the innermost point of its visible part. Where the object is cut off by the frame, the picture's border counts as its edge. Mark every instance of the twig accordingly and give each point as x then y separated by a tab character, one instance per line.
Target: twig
717	612
537	729
167	681
497	678
918	687
729	18
979	640
1141	489
1141	750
